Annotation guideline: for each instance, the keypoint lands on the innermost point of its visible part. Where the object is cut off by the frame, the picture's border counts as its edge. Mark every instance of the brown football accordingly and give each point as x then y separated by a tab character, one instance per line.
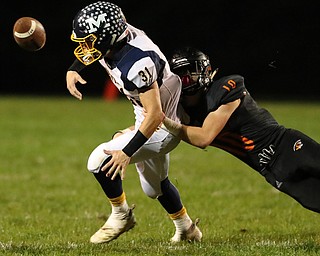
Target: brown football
29	34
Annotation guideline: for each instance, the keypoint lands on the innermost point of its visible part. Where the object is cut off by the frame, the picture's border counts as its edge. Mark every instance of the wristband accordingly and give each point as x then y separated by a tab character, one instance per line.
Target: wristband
76	66
134	144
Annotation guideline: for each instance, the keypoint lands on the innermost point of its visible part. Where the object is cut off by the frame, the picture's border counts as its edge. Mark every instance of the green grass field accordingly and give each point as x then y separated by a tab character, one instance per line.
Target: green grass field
50	204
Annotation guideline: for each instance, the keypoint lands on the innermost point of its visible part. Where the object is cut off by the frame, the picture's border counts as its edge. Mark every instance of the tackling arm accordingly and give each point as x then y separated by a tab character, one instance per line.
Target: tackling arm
213	124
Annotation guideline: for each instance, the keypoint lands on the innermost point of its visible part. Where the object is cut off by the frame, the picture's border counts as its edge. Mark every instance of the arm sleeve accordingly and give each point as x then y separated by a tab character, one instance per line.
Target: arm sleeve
76	66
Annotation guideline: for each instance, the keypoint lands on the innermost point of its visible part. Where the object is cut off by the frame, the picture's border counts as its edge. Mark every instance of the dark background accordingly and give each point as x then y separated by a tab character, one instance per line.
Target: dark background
274	44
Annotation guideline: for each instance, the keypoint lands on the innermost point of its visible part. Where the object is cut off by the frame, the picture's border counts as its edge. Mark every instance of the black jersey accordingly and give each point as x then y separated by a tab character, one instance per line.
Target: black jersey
251	133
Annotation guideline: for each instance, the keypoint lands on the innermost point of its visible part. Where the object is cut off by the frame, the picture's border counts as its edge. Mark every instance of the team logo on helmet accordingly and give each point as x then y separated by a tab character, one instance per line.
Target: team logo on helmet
101	18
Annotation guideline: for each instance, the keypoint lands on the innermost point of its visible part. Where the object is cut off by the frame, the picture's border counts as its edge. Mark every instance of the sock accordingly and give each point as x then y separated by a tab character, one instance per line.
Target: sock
170	198
181	220
111	188
119	204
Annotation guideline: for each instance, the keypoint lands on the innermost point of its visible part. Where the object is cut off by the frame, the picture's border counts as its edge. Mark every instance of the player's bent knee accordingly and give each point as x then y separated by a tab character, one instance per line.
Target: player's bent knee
151	192
97	158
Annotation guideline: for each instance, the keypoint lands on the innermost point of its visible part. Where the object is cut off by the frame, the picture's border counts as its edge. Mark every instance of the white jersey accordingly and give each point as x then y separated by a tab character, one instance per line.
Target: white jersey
138	65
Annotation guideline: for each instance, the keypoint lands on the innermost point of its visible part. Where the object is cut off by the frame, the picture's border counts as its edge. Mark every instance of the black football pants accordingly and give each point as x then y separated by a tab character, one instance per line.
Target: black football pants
296	169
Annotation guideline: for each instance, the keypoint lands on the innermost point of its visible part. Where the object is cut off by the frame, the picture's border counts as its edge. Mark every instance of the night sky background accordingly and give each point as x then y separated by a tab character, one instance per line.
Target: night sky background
274	44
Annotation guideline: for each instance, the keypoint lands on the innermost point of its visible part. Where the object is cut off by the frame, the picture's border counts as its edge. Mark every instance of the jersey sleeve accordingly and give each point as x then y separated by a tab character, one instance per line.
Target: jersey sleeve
225	90
143	73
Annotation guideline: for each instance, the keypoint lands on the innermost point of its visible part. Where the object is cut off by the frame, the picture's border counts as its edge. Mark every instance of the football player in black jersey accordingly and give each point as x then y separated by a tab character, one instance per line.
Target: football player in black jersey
222	113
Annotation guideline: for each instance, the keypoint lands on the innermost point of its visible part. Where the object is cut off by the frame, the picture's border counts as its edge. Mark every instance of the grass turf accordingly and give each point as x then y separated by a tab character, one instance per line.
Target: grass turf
50	204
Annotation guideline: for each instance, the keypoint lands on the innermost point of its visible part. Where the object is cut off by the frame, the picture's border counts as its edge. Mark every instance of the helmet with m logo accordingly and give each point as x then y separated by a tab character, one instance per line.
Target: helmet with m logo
97	28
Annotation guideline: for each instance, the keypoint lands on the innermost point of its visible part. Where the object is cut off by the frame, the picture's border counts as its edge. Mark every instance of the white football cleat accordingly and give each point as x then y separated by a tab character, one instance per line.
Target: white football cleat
192	234
114	227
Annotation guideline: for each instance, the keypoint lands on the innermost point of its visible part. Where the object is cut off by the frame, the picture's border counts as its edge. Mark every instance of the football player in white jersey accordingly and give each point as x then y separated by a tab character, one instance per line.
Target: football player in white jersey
141	72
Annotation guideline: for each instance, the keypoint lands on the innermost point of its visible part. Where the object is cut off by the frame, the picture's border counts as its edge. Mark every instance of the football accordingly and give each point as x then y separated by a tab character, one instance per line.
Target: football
29	34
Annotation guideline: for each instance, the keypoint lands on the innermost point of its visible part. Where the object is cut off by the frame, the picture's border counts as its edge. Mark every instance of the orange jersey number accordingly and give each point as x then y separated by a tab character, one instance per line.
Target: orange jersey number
231	84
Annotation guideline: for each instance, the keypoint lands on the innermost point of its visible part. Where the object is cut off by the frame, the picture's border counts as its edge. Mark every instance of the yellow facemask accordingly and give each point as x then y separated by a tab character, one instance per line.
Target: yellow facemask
85	52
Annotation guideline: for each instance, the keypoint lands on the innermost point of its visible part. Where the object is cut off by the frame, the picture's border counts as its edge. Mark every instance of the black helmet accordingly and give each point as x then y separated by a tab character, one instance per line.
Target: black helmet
97	28
193	67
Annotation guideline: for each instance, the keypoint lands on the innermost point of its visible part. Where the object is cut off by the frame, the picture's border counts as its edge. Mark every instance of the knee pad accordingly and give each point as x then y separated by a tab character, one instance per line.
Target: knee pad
97	158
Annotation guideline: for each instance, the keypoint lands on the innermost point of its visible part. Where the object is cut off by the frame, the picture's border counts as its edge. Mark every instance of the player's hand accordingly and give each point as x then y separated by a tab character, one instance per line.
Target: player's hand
72	78
117	164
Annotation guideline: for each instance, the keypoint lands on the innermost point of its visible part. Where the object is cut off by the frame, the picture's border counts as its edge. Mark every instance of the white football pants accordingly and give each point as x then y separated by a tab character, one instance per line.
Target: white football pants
151	160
